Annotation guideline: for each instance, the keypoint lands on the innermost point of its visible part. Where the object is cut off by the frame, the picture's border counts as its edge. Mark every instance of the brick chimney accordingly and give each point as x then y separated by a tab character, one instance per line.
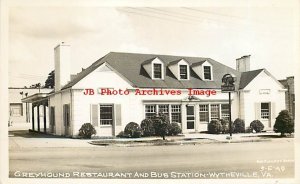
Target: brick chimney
243	64
62	65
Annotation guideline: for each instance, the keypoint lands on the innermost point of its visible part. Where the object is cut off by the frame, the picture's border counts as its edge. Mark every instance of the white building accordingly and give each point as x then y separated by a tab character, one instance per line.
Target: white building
258	94
21	112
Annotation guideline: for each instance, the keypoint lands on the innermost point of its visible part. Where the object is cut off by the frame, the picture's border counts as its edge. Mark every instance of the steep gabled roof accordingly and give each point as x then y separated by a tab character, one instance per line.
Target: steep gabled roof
129	65
247	77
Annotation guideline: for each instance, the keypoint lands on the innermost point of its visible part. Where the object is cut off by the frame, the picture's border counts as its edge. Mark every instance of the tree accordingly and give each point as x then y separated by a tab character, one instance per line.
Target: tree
49	83
161	123
284	123
37	85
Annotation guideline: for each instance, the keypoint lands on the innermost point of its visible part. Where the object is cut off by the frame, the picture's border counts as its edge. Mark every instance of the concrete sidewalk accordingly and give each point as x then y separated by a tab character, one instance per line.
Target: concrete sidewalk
19	137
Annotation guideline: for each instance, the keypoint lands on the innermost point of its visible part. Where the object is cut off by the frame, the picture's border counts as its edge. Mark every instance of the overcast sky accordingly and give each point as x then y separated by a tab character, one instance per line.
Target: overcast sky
268	34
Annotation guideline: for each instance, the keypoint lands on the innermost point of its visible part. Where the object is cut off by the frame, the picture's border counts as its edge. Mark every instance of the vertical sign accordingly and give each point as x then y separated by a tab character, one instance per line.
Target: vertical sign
228	87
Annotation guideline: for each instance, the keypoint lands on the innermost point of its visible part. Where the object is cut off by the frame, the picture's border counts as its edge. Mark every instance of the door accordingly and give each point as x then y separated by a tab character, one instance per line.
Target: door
265	109
190	117
66	117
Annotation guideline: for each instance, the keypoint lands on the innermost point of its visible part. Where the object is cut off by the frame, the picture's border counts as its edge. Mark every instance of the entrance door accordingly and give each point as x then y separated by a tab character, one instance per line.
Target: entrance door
190	117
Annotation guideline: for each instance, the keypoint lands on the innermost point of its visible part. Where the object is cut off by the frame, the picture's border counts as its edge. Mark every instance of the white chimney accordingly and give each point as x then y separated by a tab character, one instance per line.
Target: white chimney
243	64
62	65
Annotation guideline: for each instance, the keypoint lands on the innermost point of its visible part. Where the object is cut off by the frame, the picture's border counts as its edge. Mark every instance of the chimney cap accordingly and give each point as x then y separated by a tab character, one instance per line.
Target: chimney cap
62	44
245	56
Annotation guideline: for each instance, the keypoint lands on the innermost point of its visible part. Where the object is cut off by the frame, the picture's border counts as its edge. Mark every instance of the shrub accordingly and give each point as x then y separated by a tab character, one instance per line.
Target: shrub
87	130
257	126
239	126
133	130
147	127
174	129
214	127
284	123
225	126
160	124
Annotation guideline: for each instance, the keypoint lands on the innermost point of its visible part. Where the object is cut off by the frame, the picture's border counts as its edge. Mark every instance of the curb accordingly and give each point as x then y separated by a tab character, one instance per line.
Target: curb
170	143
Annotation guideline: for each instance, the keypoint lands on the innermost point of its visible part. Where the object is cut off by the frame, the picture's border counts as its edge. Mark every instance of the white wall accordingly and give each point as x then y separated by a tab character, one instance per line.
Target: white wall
252	94
132	106
57	101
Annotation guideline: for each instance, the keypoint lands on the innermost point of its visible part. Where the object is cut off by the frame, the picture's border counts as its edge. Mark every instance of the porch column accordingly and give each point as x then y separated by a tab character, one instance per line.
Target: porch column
38	117
32	116
45	118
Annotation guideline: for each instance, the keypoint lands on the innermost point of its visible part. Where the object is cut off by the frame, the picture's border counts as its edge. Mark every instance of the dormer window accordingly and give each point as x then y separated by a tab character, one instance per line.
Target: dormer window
204	69
157	71
154	68
183	71
180	69
207	72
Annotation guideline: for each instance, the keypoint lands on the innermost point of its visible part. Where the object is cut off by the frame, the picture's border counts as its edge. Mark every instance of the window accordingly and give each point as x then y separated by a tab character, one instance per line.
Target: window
207	72
203	113
225	111
157	73
214	111
150	111
265	110
183	71
163	109
16	109
175	113
106	114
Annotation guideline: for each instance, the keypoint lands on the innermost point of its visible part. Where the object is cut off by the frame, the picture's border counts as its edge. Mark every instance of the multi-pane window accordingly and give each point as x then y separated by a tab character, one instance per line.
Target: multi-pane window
207	72
106	114
214	111
225	111
265	110
176	113
203	113
150	111
157	73
183	71
163	109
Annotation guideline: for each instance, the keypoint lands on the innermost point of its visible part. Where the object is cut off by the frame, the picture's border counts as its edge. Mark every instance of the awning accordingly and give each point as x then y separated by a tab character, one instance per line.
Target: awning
36	98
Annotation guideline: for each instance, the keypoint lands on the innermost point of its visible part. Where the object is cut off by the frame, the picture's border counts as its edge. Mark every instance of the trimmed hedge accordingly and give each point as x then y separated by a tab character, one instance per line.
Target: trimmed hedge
147	128
87	130
239	126
257	126
173	129
133	130
214	127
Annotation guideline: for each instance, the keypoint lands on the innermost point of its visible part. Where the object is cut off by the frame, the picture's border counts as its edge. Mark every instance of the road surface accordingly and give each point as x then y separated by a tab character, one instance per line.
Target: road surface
272	159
